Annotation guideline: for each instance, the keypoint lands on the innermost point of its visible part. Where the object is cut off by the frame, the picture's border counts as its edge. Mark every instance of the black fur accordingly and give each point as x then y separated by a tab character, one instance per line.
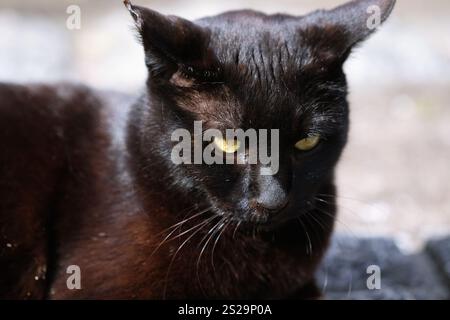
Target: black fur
86	177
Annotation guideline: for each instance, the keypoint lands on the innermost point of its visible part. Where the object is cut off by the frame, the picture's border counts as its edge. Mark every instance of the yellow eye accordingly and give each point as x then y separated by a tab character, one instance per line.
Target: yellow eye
308	143
227	146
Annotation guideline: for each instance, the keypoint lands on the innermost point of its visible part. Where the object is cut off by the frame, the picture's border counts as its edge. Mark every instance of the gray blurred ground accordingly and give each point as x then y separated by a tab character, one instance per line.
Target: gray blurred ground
351	265
393	178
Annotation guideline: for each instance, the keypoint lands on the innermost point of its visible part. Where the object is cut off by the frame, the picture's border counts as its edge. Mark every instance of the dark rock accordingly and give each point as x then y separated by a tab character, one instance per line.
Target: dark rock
439	250
344	273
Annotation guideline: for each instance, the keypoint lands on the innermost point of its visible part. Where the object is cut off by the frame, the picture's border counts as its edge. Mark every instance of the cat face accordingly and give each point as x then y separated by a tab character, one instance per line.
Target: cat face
250	71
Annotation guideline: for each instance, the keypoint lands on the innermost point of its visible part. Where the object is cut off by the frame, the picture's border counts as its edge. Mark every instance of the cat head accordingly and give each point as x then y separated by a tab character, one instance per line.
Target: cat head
248	70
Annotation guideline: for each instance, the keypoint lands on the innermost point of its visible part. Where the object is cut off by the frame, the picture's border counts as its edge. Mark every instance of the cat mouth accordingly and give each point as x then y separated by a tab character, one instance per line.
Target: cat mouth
274	219
259	216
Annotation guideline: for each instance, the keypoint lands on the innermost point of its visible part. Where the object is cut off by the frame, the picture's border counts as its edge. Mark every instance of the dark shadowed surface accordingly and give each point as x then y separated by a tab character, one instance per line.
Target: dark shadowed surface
423	275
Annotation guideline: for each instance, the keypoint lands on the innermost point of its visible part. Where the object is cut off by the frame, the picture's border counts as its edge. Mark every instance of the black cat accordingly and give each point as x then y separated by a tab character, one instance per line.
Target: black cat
87	178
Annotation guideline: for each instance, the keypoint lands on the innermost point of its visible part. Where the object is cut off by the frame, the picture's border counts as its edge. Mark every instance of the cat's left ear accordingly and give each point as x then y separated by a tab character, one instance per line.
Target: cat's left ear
333	33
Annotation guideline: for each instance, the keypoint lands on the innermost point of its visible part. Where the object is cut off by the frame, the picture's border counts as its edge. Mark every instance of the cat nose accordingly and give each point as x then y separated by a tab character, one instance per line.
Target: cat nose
272	195
271	201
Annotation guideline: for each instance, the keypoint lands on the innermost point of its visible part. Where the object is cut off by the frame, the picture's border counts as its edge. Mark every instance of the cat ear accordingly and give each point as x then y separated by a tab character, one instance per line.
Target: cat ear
170	42
333	33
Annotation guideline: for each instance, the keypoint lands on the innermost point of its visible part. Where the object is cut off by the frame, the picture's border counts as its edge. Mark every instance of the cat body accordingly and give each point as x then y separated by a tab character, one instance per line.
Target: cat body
86	177
80	187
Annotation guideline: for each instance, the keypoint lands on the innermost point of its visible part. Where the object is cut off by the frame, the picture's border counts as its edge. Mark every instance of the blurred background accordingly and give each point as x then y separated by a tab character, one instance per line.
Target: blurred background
393	179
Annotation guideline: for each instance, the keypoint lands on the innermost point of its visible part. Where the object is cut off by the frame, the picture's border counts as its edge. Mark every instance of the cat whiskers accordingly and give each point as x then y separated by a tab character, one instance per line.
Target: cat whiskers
197	229
176	227
334	217
309	246
317	237
346	208
184	219
210	234
236	228
219	229
224	227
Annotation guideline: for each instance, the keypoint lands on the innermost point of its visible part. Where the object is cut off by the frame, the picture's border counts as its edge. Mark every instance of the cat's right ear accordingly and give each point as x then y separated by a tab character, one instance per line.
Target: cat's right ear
170	43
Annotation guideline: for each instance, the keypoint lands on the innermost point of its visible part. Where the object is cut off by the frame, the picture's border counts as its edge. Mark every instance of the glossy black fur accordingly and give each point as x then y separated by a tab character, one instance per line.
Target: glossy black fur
106	193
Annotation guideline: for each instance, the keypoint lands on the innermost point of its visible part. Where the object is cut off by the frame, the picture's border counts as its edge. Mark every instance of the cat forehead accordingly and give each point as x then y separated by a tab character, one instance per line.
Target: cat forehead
250	26
271	42
245	17
262	76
